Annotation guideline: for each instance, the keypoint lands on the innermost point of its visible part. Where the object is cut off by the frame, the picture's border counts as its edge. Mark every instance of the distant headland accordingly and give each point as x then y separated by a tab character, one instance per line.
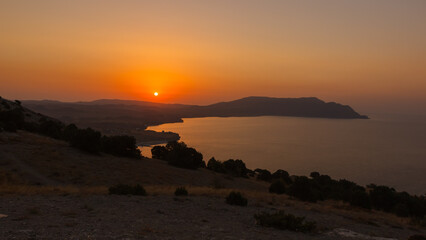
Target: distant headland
113	116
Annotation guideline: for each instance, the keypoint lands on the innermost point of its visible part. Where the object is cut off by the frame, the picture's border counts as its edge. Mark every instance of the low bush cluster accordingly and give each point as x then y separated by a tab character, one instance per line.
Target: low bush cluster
123	189
236	198
265	175
235	168
281	220
181	191
179	154
321	187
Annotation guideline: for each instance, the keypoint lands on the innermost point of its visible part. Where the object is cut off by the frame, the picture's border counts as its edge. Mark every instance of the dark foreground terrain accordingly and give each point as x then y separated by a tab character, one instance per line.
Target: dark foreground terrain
49	190
168	217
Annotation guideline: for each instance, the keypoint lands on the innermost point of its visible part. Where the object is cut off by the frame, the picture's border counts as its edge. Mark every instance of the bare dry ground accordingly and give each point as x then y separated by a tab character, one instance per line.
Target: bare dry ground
51	191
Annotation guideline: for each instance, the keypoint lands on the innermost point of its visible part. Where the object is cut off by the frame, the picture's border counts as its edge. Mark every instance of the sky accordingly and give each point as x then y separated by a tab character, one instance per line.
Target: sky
367	54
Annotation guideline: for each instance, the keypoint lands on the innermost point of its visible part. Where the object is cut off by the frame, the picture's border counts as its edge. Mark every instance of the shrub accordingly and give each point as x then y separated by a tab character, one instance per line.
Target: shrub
236	168
122	189
281	174
12	119
69	132
236	198
51	128
215	165
181	191
315	175
159	152
305	190
87	140
124	146
283	221
278	187
383	198
179	155
263	174
360	199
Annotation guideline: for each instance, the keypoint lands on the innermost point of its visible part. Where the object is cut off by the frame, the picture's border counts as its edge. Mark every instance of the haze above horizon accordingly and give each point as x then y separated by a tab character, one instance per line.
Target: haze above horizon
370	55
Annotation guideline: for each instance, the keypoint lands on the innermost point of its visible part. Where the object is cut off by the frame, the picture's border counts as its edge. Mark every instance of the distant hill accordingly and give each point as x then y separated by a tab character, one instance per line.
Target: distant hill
139	114
266	106
129	117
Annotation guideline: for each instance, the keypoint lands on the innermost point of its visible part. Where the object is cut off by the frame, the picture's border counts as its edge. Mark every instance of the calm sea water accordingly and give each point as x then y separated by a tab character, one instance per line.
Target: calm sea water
389	150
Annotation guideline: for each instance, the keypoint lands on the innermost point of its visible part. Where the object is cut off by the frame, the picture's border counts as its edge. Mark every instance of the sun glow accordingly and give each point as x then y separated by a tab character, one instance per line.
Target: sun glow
156	94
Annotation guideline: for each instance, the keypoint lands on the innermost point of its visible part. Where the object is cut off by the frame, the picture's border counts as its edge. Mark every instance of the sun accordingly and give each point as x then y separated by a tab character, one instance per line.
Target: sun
156	94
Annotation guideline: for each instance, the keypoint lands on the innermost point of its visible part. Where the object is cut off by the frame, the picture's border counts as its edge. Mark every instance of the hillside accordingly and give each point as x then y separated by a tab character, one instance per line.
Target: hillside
265	106
52	190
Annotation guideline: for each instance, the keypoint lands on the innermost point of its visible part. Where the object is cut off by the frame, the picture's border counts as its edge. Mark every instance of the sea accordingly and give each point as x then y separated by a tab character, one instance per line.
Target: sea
385	149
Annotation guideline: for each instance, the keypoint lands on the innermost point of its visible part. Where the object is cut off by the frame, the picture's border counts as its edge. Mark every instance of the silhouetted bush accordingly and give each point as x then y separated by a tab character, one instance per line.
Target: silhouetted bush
277	186
315	175
5	105
179	155
263	174
383	198
215	165
122	189
69	132
87	140
159	152
281	174
51	128
281	220
305	190
181	191
236	168
12	119
360	199
236	198
321	187
124	146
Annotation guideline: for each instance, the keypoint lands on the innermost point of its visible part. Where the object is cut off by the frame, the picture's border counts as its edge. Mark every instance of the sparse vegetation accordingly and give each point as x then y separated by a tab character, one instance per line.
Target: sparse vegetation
122	189
181	191
236	198
283	221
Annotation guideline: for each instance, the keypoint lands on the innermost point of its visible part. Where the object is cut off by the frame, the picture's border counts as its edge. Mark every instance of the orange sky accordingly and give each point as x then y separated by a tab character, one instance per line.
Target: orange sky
368	54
